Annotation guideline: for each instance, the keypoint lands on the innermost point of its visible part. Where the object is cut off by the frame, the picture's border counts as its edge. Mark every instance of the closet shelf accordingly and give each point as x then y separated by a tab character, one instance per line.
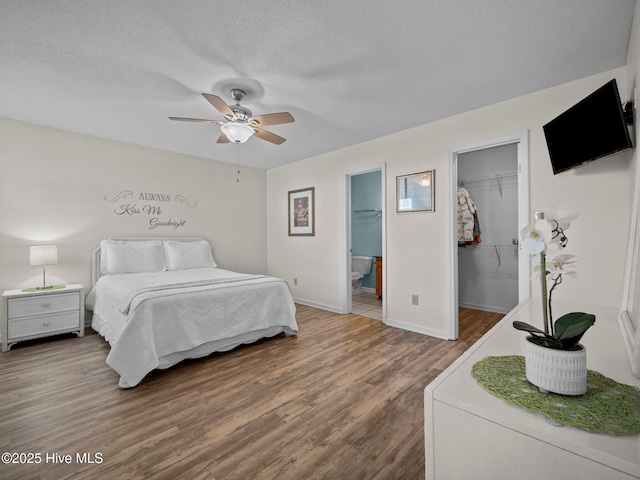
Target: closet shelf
492	176
497	247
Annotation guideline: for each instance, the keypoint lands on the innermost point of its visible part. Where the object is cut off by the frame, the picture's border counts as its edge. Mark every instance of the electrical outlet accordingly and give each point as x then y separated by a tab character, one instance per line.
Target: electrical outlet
295	281
414	299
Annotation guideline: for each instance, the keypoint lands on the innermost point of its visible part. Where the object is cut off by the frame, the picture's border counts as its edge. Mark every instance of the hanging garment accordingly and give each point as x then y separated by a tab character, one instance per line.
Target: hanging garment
477	234
466	210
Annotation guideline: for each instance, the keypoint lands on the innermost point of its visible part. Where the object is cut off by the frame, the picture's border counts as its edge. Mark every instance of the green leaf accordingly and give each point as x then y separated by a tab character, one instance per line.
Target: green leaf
547	341
527	328
542	338
570	328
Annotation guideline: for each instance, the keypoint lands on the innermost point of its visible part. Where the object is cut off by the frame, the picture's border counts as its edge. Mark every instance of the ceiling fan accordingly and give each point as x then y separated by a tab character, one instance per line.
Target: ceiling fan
240	123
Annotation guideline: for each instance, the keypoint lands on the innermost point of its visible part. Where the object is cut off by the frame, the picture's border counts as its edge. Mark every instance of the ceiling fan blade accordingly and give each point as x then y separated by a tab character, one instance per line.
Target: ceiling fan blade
268	136
272	119
220	105
222	139
182	119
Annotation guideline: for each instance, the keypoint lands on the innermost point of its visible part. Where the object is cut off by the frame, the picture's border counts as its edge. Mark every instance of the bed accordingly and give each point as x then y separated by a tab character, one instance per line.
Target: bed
161	300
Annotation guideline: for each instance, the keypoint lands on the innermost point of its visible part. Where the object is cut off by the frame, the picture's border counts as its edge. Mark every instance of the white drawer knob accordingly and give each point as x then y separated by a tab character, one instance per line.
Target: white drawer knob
46	305
45	324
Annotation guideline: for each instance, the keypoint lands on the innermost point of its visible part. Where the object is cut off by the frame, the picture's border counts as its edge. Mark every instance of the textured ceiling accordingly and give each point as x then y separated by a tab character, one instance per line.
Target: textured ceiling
347	71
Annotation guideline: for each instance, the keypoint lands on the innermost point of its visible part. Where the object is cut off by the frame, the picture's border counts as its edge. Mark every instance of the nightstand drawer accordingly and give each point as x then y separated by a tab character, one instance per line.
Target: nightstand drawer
43	324
43	304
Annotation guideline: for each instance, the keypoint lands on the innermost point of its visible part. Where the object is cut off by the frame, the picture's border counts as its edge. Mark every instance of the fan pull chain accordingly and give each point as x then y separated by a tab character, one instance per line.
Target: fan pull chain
238	162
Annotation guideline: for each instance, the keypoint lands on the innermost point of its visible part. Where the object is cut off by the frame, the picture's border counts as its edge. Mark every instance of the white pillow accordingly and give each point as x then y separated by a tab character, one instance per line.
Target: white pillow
183	255
120	256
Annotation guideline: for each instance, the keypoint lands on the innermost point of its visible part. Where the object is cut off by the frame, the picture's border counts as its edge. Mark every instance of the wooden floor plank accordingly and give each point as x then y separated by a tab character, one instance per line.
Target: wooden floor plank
341	400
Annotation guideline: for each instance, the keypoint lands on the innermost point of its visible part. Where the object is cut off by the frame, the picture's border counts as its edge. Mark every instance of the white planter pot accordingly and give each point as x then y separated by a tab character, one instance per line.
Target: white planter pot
557	371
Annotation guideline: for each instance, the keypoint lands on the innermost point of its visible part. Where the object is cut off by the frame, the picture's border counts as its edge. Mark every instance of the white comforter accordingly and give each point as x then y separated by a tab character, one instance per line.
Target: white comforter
155	320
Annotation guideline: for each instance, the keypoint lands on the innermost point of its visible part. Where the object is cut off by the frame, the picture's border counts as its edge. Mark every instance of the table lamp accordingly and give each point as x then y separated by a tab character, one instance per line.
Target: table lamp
43	255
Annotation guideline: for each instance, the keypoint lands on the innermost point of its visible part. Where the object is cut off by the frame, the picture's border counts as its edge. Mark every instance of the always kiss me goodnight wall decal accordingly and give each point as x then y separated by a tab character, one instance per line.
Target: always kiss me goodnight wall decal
151	206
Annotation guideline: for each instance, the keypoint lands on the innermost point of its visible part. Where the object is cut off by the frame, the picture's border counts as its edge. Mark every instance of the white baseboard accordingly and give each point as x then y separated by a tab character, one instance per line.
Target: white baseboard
392	323
321	306
485	308
444	335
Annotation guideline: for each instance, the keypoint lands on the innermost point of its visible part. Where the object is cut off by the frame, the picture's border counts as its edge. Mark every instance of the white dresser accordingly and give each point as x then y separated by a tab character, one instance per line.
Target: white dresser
470	434
28	315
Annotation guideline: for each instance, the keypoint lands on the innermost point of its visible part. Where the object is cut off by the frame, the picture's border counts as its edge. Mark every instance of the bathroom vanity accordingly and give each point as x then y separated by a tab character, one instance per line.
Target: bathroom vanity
379	277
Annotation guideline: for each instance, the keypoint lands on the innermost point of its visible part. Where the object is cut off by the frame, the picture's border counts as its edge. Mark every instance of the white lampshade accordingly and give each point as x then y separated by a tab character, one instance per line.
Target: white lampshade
237	132
43	255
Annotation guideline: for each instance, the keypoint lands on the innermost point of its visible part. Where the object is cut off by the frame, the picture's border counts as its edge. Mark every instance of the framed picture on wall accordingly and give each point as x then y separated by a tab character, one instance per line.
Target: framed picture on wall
302	212
415	192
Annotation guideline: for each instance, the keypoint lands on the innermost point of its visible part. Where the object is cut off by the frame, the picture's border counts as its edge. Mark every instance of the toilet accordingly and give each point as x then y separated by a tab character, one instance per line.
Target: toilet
360	266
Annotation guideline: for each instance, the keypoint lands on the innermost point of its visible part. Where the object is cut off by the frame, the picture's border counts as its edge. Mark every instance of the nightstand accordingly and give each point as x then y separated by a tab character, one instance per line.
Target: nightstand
43	313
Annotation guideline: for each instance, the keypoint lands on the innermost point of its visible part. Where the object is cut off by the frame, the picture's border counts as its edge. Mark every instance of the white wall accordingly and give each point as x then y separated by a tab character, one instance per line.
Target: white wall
630	298
53	185
632	86
418	245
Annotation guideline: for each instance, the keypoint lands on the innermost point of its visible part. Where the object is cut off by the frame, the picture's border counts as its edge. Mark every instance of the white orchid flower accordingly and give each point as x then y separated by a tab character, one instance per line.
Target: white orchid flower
543	238
560	219
563	215
561	265
536	236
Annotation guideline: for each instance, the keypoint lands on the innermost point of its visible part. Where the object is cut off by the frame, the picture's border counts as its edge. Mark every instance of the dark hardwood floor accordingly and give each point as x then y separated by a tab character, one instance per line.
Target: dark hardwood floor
341	400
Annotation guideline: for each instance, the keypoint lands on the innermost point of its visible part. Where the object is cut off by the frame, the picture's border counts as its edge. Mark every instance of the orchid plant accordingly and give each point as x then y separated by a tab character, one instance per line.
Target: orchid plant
542	238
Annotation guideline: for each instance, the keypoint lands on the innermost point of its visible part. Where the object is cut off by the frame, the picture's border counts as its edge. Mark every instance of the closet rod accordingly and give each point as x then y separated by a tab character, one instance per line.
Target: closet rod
498	245
490	176
497	176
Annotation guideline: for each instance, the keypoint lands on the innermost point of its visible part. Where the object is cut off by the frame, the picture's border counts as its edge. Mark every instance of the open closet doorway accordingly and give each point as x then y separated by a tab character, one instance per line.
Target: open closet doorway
489	270
365	245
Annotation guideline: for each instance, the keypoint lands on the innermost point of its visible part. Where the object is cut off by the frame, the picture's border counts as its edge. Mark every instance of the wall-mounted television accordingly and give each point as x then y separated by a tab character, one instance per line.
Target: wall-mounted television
593	128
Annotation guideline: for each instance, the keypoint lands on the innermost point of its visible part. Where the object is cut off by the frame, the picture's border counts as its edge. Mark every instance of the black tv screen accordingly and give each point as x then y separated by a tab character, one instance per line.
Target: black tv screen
593	128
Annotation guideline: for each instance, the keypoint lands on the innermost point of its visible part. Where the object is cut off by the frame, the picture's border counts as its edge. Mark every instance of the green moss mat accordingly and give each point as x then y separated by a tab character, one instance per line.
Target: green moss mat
607	407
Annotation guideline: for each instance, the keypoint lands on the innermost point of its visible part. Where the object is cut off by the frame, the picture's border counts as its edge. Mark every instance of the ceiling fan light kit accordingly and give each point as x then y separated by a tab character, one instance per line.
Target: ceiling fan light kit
237	132
240	123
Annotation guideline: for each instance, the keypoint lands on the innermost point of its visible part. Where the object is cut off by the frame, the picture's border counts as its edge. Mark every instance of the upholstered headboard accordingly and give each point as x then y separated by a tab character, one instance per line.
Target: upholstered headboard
96	273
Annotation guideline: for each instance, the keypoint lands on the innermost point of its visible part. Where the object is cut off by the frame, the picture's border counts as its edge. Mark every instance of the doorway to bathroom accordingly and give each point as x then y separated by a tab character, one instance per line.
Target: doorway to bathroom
489	207
365	246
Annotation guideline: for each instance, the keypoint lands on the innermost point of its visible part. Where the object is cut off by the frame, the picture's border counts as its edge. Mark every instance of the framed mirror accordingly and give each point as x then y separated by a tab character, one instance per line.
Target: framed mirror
415	192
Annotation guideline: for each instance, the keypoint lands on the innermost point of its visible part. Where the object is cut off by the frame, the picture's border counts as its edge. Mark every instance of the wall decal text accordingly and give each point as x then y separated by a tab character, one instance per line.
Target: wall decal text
151	206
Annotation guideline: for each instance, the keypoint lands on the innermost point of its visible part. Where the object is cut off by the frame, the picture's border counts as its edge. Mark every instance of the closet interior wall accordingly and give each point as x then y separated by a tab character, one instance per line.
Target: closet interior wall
488	271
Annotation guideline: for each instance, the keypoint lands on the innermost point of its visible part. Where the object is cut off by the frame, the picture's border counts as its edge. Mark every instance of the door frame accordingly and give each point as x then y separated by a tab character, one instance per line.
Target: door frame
347	304
522	140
